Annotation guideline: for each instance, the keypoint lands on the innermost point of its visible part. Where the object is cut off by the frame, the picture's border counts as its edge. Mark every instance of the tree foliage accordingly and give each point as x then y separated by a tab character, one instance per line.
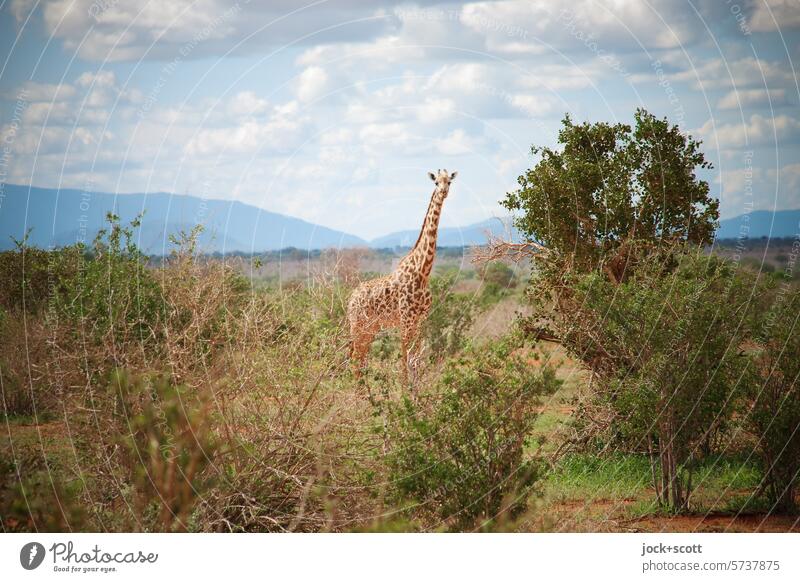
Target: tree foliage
666	350
682	346
611	188
774	397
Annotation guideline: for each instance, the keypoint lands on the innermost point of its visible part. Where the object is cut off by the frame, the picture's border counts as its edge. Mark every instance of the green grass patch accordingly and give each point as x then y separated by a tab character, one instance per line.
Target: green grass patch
586	476
721	483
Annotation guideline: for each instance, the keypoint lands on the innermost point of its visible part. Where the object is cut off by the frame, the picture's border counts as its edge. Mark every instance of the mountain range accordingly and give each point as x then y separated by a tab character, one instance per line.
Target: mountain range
761	223
62	217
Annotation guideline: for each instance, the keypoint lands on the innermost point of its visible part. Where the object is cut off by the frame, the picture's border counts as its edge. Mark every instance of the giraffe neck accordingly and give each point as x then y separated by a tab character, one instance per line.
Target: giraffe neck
424	250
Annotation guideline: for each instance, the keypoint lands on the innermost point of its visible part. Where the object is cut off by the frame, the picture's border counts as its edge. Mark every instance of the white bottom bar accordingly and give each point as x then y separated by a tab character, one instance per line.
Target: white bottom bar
404	556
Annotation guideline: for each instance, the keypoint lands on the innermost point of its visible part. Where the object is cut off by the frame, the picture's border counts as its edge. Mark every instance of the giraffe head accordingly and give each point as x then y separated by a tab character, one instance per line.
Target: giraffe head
442	179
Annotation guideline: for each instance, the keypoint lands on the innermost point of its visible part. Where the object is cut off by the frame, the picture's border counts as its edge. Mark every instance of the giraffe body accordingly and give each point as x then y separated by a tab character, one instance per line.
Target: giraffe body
402	298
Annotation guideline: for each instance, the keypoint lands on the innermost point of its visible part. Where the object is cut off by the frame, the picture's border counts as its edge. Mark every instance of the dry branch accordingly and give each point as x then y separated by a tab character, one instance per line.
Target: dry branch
498	248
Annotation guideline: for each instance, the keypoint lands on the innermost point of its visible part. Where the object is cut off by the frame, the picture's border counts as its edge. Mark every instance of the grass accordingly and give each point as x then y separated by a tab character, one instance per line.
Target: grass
584	476
588	492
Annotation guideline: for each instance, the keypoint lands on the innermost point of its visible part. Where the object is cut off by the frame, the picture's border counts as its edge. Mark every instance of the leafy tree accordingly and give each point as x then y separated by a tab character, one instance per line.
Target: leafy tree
613	188
774	397
666	349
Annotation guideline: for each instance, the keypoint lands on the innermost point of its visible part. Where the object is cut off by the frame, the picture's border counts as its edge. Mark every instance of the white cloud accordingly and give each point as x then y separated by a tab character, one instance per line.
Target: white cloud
386	137
136	29
763	188
744	72
312	83
788	181
33	91
436	110
769	15
458	142
128	30
517	27
21	9
246	104
283	131
535	106
759	130
753	97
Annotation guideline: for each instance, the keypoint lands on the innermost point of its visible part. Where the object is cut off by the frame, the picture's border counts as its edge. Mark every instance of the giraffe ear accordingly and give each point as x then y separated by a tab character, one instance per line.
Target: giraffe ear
453	176
431	176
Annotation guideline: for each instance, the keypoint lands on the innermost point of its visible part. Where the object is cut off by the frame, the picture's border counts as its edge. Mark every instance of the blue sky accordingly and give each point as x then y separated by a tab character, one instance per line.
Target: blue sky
334	111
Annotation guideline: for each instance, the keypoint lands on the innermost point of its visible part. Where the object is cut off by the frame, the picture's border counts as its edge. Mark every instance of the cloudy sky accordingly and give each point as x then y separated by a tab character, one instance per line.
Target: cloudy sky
334	111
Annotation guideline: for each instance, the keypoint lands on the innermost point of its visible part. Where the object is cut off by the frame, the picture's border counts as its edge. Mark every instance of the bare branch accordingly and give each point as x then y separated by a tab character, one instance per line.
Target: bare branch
498	248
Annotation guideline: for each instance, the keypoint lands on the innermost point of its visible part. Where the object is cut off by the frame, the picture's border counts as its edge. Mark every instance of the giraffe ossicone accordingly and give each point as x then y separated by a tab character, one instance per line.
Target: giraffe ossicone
400	299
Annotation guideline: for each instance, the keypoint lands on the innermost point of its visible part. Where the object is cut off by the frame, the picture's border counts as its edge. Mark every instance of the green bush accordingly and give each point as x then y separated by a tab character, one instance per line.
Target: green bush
774	399
112	293
450	317
665	345
499	274
460	452
30	277
498	278
106	289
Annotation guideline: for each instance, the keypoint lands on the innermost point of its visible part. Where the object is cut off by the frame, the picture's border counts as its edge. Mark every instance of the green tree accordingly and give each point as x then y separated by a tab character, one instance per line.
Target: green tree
774	397
611	189
666	351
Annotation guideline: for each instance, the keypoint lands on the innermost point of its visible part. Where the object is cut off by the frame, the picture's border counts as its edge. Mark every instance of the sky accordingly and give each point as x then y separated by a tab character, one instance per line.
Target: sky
334	111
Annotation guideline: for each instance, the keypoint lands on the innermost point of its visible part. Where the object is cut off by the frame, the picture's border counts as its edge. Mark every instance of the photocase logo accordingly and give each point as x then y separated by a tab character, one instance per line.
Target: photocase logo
31	555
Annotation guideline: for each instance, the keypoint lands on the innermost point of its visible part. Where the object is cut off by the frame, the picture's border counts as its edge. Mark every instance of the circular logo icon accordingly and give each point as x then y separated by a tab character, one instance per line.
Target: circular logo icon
31	555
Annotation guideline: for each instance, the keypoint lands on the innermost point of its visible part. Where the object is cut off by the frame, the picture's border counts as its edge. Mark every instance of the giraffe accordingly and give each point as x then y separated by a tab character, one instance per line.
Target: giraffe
402	298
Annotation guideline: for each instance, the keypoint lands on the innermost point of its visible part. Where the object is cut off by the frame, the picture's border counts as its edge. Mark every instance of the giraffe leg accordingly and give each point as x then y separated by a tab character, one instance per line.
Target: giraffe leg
410	340
359	348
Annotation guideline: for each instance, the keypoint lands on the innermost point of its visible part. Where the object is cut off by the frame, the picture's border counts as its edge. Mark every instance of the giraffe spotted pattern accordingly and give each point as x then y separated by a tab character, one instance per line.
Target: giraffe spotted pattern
402	298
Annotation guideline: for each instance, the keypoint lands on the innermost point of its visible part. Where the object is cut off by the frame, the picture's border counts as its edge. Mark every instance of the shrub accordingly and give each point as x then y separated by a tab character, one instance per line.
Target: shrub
292	420
665	348
30	276
27	368
460	454
774	399
166	444
498	278
200	309
450	317
112	295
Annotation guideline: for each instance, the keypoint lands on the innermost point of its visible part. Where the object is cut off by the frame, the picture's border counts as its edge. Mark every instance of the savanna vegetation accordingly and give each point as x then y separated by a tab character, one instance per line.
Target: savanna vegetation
624	376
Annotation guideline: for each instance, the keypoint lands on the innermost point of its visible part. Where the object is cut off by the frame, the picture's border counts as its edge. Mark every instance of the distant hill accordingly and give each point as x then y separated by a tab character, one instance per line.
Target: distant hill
473	234
760	223
59	217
